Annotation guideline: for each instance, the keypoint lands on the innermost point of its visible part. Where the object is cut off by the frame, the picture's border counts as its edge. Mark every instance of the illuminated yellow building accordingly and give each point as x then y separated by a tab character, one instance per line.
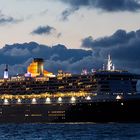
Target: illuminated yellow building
36	68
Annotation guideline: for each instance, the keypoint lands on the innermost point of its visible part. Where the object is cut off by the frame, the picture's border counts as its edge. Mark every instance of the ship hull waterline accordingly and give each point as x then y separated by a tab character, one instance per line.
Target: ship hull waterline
111	111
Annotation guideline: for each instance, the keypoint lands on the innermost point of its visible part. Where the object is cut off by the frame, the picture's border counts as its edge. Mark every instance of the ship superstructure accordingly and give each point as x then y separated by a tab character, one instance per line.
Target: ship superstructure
48	97
37	81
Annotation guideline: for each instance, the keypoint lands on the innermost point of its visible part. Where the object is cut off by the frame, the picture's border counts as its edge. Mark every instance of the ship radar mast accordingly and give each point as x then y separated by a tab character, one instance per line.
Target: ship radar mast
110	65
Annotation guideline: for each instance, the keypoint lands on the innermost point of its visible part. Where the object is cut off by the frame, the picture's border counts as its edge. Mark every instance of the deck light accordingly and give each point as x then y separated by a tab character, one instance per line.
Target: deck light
6	101
48	99
60	99
118	97
73	99
19	100
33	100
88	98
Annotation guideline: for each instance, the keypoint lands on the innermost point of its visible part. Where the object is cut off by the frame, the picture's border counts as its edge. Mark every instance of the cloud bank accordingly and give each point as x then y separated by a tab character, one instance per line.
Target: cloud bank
18	56
123	46
104	5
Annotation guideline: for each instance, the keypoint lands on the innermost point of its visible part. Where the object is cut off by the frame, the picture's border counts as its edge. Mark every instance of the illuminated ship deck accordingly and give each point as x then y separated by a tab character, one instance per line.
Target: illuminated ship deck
62	99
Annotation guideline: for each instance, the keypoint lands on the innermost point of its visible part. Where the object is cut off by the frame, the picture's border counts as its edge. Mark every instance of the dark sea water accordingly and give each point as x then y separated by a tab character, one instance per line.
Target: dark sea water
110	131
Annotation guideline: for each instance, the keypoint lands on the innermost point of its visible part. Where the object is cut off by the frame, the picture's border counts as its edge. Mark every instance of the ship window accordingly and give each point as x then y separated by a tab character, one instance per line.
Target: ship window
61	87
88	86
59	78
70	84
80	83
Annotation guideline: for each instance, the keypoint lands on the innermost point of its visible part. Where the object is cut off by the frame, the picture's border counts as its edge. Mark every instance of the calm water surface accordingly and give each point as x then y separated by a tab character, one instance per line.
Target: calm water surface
111	131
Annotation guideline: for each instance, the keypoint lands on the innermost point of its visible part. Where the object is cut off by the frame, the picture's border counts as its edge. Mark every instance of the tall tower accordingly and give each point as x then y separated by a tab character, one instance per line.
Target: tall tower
6	73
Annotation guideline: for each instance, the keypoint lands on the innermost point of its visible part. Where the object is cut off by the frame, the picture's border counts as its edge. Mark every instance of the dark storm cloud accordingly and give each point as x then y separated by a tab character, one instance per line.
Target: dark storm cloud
18	56
119	37
124	48
107	5
41	30
104	5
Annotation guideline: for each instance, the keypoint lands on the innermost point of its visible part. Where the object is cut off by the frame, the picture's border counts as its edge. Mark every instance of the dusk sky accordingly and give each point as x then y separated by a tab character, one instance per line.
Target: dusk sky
34	28
68	21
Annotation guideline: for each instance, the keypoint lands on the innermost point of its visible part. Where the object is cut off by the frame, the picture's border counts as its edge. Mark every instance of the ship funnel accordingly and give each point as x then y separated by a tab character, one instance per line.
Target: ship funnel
40	65
6	73
36	68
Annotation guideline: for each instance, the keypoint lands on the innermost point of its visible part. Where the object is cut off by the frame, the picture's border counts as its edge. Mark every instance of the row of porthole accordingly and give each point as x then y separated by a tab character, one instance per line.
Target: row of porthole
48	100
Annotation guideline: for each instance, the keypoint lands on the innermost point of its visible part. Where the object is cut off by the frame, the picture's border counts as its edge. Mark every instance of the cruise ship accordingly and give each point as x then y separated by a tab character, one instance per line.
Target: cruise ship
106	95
